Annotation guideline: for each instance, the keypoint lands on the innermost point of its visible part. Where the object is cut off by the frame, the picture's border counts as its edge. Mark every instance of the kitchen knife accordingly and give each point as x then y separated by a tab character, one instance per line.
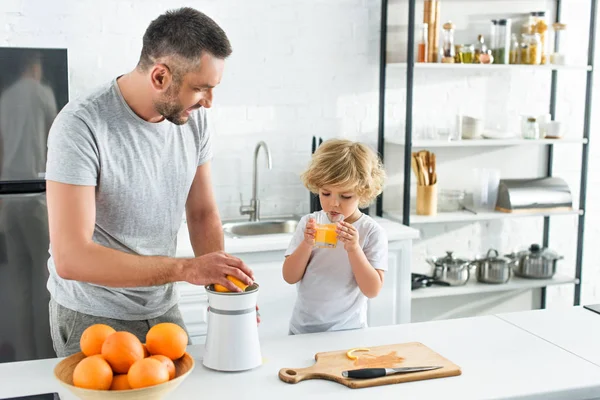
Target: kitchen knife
368	373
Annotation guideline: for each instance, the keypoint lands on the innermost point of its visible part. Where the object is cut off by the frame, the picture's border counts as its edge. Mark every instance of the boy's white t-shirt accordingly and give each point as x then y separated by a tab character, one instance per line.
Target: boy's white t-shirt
329	298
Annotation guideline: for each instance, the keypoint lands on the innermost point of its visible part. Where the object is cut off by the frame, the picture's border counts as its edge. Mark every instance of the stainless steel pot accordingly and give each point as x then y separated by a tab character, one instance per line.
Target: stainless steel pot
535	263
454	271
493	268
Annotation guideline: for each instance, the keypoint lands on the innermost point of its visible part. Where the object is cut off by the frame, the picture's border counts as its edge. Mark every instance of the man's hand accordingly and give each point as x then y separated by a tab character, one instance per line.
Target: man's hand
214	267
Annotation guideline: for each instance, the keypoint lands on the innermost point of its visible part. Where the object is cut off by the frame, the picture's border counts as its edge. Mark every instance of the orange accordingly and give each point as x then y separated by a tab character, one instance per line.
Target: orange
236	282
167	339
168	363
120	382
147	372
93	373
93	337
146	352
121	350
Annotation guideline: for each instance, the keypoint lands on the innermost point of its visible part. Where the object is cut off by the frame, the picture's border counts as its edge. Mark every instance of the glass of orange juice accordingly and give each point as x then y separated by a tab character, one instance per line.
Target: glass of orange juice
326	236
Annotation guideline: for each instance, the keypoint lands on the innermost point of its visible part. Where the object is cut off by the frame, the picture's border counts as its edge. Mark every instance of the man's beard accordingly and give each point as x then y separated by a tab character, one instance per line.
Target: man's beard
170	108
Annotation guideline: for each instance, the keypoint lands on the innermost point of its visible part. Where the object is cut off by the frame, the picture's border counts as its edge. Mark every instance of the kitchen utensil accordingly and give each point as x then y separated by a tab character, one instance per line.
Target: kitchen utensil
454	271
535	263
533	195
427	200
64	373
419	281
423	169
492	268
330	365
232	340
370	373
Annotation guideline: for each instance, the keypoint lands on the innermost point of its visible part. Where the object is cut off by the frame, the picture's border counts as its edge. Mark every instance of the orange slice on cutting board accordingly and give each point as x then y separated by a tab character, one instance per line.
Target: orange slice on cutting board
350	353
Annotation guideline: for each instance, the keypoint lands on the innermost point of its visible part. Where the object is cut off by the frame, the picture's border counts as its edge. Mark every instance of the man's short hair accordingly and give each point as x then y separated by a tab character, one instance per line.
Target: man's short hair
184	34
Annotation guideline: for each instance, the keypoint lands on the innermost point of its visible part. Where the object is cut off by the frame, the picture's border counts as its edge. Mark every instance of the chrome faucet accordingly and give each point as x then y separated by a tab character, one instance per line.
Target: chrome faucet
254	208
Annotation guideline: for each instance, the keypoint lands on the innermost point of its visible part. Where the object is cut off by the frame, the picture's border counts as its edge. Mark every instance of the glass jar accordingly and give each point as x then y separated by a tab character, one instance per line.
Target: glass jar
448	43
502	41
422	56
480	48
539	25
532	129
558	56
514	49
531	49
493	39
466	54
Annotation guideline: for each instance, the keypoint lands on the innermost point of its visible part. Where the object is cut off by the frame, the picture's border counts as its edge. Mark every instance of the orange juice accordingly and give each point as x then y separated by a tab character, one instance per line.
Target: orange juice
326	237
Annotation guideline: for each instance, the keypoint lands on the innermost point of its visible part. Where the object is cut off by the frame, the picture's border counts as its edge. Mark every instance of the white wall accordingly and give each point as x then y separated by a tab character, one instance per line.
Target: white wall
303	68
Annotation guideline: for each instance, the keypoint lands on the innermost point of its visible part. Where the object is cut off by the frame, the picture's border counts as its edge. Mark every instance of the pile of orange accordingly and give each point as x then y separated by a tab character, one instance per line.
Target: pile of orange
120	361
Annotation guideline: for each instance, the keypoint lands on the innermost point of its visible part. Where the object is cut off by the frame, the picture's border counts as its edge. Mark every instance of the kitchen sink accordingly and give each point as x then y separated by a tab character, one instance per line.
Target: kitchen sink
262	227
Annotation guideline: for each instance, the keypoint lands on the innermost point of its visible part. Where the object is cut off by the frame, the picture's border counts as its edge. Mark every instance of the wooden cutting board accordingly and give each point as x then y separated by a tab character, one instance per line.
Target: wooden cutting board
330	365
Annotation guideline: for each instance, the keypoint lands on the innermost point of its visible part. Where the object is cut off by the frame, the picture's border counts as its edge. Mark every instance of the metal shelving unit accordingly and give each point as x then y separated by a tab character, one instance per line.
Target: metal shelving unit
408	143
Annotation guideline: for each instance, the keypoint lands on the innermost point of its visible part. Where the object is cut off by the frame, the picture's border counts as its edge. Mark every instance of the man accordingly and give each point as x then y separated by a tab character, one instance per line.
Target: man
123	165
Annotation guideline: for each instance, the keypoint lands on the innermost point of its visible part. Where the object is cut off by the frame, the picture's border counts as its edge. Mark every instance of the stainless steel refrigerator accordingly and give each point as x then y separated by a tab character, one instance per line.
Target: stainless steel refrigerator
33	88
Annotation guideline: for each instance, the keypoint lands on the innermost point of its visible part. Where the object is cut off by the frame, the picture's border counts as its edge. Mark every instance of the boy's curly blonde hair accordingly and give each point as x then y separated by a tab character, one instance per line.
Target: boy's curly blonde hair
346	164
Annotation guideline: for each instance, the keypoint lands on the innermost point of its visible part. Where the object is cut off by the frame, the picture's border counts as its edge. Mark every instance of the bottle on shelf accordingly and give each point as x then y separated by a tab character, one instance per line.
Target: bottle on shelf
422	46
448	43
558	56
480	48
502	55
538	24
493	39
514	50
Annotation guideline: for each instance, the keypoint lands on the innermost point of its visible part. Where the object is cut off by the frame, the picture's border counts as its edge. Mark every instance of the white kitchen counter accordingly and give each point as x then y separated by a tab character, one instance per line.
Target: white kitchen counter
253	244
498	361
576	329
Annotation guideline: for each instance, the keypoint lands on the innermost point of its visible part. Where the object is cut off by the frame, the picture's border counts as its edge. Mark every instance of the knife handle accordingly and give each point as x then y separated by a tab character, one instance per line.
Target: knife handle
366	373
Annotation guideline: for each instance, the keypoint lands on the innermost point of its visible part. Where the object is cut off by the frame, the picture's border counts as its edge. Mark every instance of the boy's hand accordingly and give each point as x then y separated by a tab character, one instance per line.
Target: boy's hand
310	231
348	235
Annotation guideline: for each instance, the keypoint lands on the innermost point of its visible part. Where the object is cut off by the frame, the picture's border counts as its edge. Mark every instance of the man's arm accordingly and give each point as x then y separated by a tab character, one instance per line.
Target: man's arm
71	218
202	214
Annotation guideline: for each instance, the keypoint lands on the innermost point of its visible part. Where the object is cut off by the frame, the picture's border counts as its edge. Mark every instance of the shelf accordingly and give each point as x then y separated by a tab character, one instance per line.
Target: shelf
474	287
493	67
467	216
486	142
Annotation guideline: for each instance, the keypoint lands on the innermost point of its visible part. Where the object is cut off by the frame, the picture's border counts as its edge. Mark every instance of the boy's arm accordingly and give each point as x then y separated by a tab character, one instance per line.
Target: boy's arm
295	264
303	241
369	277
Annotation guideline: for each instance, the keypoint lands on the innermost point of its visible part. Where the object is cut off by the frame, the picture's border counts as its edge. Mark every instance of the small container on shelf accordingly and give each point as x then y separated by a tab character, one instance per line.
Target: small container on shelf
480	48
531	50
422	45
451	200
538	24
514	50
531	129
448	43
558	56
502	48
466	54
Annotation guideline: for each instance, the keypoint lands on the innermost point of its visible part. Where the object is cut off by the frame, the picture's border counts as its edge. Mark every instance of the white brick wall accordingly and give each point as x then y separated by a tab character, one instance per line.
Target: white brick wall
303	68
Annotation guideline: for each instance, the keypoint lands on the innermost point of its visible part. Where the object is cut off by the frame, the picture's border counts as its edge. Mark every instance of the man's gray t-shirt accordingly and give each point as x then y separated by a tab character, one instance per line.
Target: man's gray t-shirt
143	173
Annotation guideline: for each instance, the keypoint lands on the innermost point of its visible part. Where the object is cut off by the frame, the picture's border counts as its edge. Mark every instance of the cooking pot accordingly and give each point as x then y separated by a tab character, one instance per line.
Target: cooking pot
493	269
454	271
534	263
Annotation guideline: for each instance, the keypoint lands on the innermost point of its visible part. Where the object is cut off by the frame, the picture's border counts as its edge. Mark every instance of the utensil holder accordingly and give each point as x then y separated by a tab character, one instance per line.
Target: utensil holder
427	200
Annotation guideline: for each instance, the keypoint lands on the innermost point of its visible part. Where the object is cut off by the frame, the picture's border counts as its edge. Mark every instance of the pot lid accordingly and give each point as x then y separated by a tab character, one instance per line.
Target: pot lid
450	261
535	250
493	255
